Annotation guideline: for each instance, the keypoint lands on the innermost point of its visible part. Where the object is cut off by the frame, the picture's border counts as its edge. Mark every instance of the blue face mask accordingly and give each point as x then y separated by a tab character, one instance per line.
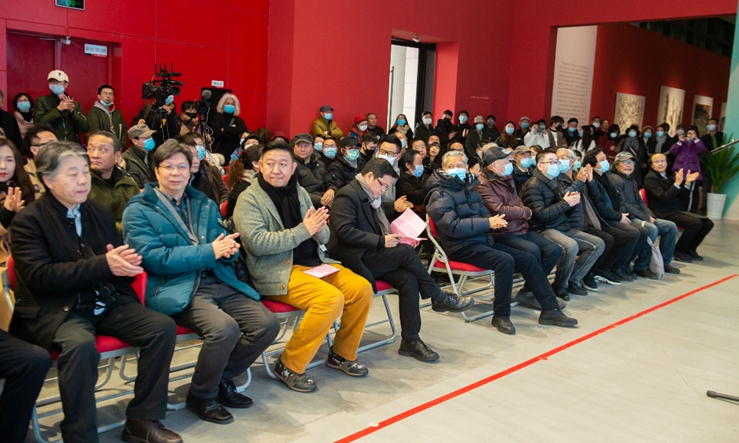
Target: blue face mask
604	166
330	152
318	147
579	133
106	104
169	100
524	125
57	89
352	155
403	144
460	173
201	151
463	119
660	133
614	134
479	126
508	130
401	122
328	116
24	106
711	127
572	130
526	162
553	171
418	172
149	144
229	109
647	135
564	166
578	164
508	169
632	134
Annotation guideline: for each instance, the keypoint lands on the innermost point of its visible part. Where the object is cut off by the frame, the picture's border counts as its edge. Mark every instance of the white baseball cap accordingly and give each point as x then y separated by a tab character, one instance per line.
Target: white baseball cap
58	75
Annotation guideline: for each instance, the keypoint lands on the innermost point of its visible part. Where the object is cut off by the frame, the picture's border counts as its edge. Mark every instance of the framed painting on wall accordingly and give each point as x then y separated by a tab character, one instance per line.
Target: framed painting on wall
671	102
702	107
629	110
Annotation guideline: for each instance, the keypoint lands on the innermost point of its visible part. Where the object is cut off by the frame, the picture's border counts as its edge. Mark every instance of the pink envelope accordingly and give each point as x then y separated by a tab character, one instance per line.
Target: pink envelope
321	271
408	225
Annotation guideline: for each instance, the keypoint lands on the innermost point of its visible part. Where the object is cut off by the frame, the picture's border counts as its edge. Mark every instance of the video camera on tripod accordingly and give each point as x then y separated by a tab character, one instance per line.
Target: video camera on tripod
161	86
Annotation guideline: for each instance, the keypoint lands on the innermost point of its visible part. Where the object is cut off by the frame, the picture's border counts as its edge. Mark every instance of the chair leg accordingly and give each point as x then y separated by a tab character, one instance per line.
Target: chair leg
390	320
243	387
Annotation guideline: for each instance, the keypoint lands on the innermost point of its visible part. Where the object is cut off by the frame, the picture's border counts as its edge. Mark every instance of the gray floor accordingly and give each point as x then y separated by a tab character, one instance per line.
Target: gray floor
642	381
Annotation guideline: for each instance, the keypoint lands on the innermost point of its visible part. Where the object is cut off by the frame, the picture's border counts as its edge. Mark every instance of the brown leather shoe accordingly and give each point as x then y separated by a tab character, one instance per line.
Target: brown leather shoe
148	431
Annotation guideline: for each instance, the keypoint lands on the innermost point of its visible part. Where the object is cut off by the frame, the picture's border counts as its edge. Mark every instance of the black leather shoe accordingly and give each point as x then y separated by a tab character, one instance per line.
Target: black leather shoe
694	255
682	257
560	293
646	273
452	303
229	396
556	318
622	275
417	350
527	298
576	288
148	431
504	325
209	409
671	269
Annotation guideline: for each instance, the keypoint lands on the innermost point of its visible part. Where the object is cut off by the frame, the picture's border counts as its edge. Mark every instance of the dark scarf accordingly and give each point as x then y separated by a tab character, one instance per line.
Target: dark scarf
285	200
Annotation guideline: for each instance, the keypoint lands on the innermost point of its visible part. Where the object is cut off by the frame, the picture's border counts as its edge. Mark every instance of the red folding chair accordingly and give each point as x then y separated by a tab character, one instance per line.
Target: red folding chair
225	180
224	205
441	263
383	290
108	347
287	315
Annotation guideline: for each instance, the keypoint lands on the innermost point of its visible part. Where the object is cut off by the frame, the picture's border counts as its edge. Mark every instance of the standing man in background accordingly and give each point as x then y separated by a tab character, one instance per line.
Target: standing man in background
60	110
104	116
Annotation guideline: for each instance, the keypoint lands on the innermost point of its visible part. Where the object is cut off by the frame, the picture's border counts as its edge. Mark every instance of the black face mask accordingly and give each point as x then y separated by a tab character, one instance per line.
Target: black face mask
191	114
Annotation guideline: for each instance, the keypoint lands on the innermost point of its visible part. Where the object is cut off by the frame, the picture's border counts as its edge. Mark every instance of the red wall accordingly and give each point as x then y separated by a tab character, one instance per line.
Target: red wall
636	61
205	39
339	54
535	24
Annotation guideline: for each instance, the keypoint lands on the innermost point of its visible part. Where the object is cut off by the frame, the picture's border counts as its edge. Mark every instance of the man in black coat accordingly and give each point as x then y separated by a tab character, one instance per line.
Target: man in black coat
425	127
347	164
361	240
311	173
74	281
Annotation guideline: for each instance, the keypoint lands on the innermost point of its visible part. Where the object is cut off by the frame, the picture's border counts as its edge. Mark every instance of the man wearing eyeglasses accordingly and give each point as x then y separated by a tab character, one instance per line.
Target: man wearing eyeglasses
557	214
390	150
36	137
187	255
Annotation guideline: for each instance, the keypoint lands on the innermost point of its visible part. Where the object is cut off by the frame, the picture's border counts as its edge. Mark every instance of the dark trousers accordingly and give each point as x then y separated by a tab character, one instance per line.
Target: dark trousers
235	329
626	239
24	367
536	279
402	268
695	229
545	251
486	257
78	359
607	252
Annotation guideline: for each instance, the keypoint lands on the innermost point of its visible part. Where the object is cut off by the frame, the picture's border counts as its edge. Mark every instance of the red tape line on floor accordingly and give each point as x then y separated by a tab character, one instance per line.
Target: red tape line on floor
420	408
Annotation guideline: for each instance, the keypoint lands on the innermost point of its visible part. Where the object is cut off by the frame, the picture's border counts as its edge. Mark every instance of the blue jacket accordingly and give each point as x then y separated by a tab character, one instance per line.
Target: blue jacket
168	255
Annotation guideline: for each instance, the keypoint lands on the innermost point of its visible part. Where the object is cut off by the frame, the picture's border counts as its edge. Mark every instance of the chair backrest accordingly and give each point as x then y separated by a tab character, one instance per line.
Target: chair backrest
225	179
11	272
643	193
224	205
139	286
432	226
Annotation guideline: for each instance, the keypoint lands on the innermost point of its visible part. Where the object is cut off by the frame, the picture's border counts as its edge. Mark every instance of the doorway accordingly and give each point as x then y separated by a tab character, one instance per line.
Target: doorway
411	90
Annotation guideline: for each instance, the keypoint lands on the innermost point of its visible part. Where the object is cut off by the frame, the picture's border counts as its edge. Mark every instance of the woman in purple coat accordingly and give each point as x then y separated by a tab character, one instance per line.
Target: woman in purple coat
687	151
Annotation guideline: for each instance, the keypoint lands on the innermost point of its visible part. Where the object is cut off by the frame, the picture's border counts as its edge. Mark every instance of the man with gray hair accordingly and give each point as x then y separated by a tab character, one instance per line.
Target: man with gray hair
464	224
74	281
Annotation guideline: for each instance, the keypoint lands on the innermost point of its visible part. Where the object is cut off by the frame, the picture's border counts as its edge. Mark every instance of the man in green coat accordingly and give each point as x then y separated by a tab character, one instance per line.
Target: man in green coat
103	116
325	126
111	185
138	156
61	111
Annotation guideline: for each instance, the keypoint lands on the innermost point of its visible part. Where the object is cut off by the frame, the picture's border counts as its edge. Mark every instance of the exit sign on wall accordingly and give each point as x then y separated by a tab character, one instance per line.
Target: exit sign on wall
74	4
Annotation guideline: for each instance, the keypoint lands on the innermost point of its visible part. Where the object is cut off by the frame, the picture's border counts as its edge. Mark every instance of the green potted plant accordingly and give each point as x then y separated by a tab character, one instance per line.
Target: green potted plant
720	167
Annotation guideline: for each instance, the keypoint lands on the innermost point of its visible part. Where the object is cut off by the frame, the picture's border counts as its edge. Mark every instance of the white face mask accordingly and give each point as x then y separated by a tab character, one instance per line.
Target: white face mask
362	128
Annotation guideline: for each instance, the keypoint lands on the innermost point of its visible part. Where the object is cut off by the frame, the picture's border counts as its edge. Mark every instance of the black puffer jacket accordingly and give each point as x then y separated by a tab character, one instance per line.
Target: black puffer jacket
574	215
544	196
630	200
457	210
520	177
606	208
341	173
312	177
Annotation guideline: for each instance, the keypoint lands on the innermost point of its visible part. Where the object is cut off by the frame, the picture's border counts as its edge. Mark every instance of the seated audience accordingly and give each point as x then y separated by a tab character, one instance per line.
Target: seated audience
631	203
586	141
523	167
227	126
74	280
204	177
369	146
103	116
523	129
475	137
538	135
612	139
556	213
188	256
500	198
283	235
425	127
361	239
138	163
411	180
311	173
401	126
372	126
507	138
434	155
60	110
37	136
419	146
16	191
393	205
326	126
245	142
464	226
490	131
634	144
111	185
23	105
346	165
328	154
359	128
570	133
667	194
241	174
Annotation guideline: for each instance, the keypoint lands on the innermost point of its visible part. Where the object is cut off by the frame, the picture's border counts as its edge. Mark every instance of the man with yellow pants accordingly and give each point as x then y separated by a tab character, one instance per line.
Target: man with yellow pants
284	236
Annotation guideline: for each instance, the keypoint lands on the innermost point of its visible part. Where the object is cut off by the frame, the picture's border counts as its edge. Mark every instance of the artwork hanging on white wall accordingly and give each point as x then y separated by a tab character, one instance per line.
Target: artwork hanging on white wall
671	102
702	108
629	110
